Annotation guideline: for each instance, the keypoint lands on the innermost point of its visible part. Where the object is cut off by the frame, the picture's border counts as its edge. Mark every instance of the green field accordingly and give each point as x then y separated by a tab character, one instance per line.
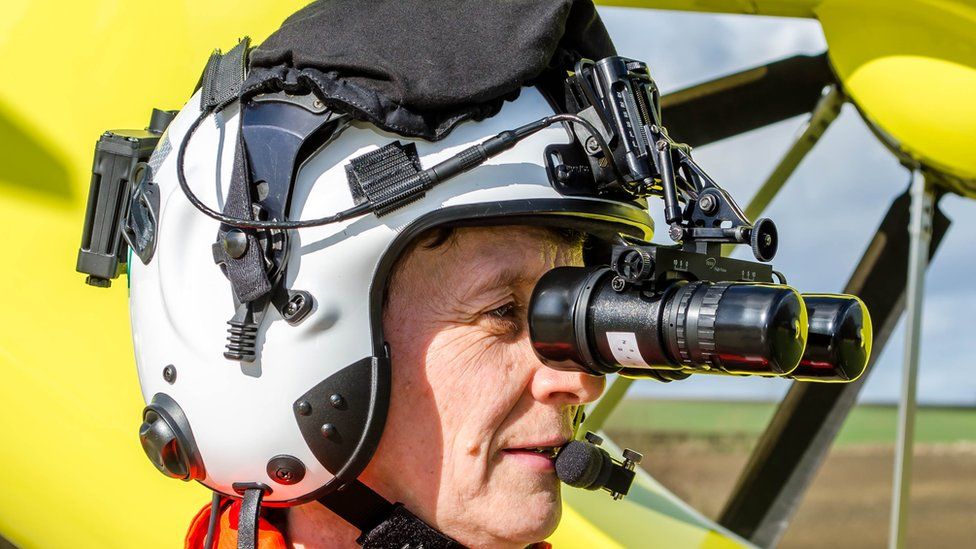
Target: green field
870	424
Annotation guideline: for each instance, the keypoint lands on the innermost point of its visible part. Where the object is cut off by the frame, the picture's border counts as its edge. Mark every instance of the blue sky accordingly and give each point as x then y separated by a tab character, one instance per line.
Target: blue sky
828	210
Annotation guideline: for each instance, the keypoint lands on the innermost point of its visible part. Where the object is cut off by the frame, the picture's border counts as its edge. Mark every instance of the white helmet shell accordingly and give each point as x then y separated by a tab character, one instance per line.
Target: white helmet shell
236	417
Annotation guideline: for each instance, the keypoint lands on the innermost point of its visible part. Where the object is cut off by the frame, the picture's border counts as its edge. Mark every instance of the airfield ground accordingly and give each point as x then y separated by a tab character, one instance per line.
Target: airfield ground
697	449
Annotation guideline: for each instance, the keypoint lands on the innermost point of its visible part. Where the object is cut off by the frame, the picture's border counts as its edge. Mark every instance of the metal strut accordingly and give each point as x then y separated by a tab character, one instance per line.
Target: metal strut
826	111
920	237
796	441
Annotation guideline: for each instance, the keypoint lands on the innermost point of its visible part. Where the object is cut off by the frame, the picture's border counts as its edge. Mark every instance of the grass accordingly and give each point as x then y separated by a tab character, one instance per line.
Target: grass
867	424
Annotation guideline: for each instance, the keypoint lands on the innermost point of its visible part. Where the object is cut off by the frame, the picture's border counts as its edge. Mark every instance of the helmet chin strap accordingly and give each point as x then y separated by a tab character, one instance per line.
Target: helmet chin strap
247	524
381	523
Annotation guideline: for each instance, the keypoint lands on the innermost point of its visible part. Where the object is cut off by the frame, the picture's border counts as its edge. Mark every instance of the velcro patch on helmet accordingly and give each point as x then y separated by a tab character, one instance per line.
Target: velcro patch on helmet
387	178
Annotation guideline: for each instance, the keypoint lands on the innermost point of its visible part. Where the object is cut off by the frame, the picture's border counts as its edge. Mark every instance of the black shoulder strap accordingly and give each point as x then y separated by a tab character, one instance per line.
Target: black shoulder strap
222	77
381	523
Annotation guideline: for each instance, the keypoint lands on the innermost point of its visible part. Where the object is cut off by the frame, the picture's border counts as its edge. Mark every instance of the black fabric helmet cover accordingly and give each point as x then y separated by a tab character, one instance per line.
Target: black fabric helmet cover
418	68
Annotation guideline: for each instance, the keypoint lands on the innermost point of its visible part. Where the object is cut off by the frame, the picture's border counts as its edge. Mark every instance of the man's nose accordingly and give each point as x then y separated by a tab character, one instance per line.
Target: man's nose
550	385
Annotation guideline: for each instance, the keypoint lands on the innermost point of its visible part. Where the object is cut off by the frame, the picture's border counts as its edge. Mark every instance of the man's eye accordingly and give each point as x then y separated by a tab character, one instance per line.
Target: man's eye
507	310
505	320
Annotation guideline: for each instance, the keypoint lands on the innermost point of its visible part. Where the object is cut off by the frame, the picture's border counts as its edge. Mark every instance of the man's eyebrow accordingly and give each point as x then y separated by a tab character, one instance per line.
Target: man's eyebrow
502	278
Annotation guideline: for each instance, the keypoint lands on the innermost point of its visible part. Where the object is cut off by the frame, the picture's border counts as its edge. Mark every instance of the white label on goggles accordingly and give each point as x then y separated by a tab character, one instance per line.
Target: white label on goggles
623	346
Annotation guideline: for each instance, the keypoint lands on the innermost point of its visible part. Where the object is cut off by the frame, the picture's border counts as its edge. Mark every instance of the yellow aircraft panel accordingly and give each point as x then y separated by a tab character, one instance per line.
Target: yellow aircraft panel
910	65
72	473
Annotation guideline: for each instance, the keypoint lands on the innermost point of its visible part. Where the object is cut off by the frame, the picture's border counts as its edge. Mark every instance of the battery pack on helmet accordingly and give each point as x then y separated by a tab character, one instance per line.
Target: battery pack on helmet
118	155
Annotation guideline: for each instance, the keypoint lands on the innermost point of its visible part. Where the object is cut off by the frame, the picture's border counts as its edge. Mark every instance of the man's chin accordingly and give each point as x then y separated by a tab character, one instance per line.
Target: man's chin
533	524
530	516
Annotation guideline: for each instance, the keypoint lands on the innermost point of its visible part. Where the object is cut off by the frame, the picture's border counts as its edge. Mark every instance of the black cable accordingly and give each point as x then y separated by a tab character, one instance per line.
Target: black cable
212	524
355	211
596	135
465	160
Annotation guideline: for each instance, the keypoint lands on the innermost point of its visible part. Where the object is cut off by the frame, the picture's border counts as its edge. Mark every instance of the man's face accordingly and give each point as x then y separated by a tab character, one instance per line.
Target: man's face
469	394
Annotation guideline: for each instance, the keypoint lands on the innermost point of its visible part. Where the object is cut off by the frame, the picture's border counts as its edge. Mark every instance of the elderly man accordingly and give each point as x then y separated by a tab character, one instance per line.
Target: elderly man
381	386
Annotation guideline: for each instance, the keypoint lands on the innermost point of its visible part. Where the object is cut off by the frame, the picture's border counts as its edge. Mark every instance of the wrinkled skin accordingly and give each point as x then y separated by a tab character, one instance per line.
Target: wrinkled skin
466	387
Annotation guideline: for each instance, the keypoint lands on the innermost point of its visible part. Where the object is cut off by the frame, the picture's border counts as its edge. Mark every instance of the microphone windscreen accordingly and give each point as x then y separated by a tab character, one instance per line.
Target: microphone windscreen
579	464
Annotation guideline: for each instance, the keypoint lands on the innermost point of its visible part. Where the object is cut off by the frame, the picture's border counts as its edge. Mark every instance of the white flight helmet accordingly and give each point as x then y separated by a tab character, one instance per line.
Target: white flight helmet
305	416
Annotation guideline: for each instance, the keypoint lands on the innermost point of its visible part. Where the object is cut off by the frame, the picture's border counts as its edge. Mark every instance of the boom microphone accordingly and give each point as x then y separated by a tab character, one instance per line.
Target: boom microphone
584	464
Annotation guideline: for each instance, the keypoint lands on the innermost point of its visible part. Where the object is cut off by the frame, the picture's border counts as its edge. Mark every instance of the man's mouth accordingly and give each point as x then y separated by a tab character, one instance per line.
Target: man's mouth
539	456
546	451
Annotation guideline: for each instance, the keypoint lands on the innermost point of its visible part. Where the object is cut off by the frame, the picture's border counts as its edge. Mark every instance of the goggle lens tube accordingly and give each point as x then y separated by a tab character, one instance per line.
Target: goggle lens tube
579	320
